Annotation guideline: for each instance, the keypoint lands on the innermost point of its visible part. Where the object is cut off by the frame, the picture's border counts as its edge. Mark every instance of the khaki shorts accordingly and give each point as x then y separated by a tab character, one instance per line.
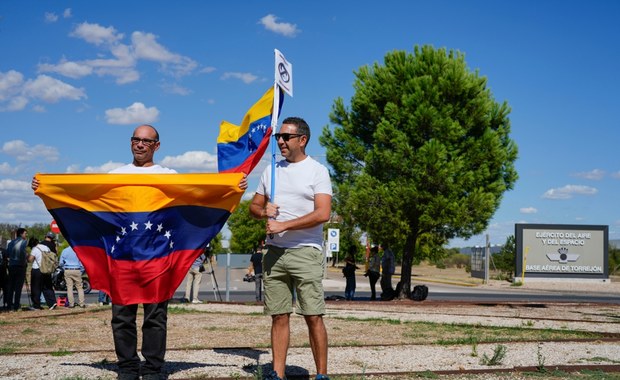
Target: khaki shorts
288	269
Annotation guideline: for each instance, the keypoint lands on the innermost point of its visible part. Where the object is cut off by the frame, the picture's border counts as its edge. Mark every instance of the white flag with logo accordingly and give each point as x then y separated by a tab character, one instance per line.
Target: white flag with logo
284	73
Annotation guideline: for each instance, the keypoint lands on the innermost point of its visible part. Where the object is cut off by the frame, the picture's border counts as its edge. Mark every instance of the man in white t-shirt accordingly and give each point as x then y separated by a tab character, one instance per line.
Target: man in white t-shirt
41	282
144	144
294	259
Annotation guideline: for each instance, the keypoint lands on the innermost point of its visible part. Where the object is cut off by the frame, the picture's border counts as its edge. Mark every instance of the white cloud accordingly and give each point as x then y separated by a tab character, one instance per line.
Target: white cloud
96	34
616	175
528	210
51	90
596	174
10	84
247	78
50	17
123	75
105	168
146	47
207	70
284	28
66	68
176	89
193	160
20	206
17	103
568	191
23	152
9	185
67	13
136	113
6	168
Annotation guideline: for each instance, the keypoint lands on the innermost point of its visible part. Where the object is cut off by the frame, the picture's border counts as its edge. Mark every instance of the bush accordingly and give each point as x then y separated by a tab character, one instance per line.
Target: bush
505	259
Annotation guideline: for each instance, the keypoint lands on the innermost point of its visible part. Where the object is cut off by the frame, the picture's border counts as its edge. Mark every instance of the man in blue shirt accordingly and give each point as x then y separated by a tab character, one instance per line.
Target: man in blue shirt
73	275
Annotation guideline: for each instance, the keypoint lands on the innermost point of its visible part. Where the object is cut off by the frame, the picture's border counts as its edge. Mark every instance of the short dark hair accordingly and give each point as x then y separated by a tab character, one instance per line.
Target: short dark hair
20	231
302	127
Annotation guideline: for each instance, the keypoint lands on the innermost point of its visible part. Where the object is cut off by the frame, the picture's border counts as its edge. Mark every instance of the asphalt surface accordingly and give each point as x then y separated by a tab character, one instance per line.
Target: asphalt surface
229	286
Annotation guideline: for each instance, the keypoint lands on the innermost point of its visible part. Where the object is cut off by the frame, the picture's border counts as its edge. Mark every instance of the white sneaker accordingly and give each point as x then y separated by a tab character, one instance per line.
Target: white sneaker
196	301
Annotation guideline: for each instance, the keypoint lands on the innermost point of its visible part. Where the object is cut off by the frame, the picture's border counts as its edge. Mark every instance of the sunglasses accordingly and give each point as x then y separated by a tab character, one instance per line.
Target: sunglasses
145	142
286	136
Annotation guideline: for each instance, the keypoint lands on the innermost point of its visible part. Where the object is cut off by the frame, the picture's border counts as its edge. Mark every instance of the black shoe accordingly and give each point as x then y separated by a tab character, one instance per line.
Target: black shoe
272	375
128	376
151	376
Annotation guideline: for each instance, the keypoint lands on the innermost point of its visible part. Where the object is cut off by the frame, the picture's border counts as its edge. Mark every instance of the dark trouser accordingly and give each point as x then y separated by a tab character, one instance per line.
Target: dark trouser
349	289
35	288
258	290
17	276
4	284
386	284
373	277
41	283
153	337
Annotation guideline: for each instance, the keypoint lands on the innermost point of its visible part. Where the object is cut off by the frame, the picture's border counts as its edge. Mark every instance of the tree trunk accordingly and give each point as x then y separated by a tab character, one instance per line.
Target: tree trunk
405	272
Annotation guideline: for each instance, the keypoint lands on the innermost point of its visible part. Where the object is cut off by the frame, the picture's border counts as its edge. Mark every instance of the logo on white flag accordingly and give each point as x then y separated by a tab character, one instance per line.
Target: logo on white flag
284	73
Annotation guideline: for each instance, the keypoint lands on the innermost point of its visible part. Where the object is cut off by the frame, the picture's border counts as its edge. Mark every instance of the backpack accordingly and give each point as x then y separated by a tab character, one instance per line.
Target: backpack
49	262
420	292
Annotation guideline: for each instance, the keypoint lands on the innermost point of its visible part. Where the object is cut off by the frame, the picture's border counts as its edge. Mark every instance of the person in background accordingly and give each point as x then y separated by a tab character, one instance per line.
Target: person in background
349	274
73	276
294	260
4	274
194	275
256	267
40	282
388	267
17	267
103	298
50	242
374	271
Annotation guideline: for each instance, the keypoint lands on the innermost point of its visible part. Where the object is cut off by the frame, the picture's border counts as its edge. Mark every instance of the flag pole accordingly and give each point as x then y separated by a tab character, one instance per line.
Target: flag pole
274	125
283	75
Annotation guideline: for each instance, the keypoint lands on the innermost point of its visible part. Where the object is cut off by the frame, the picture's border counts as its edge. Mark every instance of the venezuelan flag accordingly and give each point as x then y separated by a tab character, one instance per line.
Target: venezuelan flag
138	234
240	147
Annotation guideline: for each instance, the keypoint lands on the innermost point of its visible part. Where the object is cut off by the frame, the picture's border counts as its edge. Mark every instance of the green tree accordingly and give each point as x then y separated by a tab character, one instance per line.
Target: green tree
505	260
422	155
216	244
246	231
349	240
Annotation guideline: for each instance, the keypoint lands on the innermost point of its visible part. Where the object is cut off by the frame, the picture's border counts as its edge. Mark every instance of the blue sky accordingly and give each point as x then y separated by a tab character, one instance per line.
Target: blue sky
77	77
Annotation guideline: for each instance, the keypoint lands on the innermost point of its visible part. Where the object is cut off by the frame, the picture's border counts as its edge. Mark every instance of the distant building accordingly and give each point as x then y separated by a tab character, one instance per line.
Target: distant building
468	250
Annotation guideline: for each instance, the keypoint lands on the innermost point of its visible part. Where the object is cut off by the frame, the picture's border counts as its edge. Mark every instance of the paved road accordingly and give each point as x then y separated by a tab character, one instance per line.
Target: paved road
233	288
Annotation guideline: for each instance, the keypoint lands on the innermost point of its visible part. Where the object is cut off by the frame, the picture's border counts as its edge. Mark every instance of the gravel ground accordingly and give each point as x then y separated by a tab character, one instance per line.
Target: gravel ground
234	326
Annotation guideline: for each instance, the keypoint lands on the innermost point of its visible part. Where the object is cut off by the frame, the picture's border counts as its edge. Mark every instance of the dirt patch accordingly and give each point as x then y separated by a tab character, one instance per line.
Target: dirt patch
349	324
